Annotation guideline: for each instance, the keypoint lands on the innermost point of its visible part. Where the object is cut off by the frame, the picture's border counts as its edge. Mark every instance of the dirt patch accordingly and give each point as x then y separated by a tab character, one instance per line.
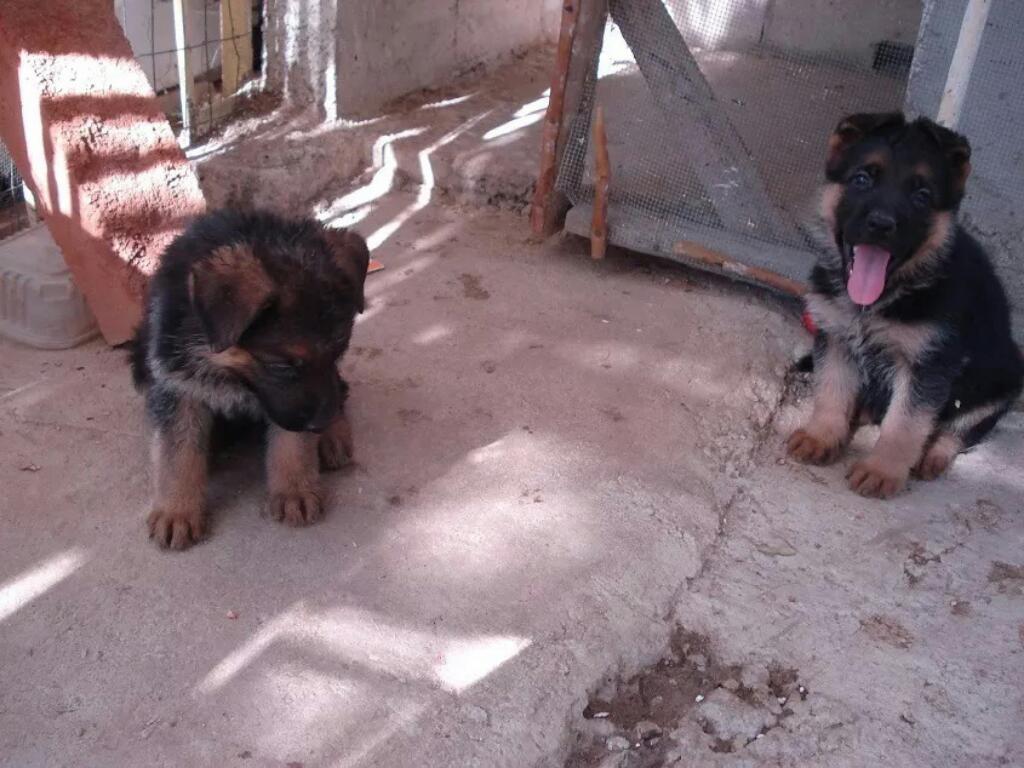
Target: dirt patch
410	416
471	287
634	723
1009	579
887	630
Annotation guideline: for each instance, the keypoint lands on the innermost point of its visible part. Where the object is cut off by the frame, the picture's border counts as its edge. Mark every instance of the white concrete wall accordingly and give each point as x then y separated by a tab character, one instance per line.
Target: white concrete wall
845	28
353	56
387	48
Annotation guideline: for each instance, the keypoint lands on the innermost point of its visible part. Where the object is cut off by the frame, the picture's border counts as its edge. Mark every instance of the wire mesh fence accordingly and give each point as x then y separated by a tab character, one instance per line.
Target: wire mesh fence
14	214
202	57
718	115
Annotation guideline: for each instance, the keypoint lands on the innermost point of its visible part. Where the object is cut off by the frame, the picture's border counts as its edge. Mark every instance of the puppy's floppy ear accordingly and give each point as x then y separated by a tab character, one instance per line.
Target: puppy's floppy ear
957	150
229	289
352	256
852	129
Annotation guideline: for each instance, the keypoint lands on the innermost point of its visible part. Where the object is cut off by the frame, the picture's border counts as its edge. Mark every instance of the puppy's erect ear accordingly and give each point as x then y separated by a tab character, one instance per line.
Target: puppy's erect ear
852	129
229	289
352	256
957	150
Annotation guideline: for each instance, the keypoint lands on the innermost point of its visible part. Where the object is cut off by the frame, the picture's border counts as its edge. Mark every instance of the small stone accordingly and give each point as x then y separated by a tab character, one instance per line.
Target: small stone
600	715
646	730
617	744
699	698
232	615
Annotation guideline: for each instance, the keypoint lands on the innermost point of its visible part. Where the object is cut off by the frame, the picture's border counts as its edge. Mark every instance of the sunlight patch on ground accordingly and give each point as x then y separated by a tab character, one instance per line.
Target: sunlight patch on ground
372	641
426	190
21	590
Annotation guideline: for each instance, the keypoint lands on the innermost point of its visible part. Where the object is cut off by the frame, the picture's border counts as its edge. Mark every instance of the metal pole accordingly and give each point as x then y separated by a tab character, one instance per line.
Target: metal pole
972	29
184	71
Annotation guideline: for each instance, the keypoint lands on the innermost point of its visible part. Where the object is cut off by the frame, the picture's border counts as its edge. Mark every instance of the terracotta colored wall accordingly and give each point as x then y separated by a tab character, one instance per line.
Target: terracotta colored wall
83	127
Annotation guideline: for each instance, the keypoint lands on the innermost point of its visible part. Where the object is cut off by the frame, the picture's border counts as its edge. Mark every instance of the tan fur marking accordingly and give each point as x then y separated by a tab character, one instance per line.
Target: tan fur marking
232	358
830	315
180	457
831	194
293	476
235	262
908	342
924	171
940	233
965	422
878	159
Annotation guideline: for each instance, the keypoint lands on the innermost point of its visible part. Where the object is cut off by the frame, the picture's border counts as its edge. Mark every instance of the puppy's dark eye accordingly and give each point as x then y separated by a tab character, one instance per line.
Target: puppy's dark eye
861	180
922	198
288	368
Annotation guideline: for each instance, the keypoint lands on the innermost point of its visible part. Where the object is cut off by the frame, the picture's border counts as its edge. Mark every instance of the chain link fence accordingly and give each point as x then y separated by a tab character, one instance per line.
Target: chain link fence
202	57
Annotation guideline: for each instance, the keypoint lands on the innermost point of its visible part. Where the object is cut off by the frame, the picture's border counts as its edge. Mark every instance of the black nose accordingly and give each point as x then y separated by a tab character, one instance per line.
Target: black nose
881	223
322	417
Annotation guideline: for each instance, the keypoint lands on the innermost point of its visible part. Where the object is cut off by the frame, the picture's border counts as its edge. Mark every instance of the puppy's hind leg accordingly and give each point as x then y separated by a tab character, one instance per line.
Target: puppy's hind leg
180	457
957	434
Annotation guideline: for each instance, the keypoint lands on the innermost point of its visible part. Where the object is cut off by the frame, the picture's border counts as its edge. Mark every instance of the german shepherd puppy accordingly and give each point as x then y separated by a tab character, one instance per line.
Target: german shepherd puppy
246	318
913	324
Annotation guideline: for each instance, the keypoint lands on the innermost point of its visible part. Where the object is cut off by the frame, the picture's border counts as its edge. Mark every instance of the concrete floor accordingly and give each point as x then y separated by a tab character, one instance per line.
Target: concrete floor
558	461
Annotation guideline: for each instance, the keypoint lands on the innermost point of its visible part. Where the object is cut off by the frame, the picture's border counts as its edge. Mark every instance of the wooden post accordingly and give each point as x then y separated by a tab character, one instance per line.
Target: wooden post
184	70
717	153
235	44
599	223
579	44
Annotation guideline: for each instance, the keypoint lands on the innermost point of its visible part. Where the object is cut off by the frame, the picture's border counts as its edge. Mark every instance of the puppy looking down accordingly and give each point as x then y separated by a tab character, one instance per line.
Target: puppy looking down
913	324
246	318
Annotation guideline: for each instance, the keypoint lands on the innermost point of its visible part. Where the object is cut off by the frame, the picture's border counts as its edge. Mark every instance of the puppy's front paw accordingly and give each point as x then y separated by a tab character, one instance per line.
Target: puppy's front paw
296	506
175	528
812	449
870	477
335	446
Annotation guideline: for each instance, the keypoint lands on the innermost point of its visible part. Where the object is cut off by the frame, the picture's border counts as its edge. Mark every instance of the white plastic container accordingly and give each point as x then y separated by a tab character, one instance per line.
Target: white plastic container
39	303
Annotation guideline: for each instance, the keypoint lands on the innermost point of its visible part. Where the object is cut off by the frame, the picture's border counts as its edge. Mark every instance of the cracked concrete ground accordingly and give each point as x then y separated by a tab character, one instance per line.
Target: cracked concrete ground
559	461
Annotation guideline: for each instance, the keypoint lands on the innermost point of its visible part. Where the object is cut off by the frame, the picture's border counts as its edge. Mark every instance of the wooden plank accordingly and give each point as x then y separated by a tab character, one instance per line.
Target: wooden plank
780	268
711	143
599	221
579	44
719	261
184	70
236	43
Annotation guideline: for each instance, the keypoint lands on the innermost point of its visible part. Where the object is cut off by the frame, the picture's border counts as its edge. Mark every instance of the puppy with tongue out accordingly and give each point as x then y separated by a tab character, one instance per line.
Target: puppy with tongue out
913	327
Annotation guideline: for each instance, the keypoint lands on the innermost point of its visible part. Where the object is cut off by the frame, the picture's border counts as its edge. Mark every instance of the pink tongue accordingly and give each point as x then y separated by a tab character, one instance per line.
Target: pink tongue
867	280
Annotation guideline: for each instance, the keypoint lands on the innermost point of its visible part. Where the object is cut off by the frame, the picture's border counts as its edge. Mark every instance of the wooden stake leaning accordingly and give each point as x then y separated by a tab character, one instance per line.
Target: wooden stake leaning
599	223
